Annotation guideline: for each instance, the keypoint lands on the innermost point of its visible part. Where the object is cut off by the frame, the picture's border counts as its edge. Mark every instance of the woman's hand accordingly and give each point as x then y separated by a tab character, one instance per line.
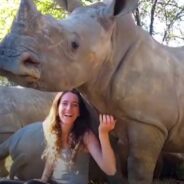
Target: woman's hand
107	123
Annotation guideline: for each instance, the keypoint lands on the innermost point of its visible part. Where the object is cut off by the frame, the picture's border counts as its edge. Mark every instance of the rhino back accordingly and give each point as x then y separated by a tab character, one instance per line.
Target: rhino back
21	106
30	145
26	138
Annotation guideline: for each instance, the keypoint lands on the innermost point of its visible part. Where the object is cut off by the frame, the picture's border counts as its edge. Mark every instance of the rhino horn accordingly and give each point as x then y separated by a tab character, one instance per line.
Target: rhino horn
116	7
26	10
69	5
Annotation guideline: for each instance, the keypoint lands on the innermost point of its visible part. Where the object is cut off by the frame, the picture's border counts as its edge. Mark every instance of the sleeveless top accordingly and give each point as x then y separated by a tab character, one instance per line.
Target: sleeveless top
68	170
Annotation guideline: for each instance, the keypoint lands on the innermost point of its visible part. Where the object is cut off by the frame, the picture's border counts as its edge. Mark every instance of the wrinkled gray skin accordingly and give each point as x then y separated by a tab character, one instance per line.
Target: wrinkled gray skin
25	147
19	107
118	66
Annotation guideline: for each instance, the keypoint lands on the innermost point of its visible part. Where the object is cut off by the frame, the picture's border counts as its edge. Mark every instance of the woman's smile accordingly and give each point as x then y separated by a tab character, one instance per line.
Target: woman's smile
69	108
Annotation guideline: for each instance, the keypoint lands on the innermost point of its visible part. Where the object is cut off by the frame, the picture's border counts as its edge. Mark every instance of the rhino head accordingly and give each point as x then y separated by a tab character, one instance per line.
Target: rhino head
41	51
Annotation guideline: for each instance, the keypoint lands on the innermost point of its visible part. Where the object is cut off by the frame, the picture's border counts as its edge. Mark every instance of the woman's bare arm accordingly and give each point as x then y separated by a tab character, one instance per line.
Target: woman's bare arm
47	172
102	151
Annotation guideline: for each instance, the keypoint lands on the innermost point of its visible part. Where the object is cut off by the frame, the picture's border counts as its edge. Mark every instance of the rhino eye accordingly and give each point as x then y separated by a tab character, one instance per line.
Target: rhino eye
74	45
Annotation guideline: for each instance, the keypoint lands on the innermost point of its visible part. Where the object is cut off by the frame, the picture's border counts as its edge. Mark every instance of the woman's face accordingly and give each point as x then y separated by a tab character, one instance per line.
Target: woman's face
69	108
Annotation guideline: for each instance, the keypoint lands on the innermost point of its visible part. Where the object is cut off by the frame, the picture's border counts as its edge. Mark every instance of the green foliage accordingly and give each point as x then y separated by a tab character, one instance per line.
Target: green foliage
48	7
4	82
8	9
167	22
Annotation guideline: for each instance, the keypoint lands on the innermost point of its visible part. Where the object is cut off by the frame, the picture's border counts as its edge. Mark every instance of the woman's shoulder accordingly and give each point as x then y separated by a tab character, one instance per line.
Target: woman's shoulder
88	134
89	137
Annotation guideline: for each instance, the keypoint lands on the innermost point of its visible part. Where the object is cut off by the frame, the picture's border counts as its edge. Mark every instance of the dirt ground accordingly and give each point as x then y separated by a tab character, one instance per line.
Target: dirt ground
166	181
163	181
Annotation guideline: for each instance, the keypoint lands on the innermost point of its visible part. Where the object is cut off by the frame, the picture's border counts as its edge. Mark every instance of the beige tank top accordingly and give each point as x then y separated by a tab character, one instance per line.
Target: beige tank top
70	170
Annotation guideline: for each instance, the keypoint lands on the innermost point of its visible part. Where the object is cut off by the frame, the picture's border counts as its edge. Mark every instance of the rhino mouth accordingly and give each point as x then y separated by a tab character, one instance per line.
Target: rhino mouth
25	70
24	80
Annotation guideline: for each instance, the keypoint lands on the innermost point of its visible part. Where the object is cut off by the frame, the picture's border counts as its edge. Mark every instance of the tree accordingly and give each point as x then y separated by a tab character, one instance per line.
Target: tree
163	19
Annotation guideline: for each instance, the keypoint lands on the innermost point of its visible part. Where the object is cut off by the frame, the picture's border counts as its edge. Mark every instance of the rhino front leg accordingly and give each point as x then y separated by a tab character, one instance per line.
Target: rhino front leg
145	143
17	166
3	170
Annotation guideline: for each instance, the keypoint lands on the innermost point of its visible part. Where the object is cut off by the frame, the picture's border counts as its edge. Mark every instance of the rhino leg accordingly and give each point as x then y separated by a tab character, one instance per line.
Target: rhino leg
146	142
4	152
3	171
17	165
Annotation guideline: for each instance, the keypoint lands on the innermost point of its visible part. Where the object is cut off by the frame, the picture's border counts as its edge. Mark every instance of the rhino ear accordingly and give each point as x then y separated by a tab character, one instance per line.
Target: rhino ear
116	7
27	9
69	5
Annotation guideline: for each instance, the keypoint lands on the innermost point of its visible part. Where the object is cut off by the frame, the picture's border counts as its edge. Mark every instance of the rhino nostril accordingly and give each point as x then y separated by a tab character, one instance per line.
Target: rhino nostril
30	62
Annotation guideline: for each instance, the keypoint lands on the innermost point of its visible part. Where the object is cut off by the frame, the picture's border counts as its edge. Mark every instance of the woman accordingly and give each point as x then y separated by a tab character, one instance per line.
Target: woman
70	140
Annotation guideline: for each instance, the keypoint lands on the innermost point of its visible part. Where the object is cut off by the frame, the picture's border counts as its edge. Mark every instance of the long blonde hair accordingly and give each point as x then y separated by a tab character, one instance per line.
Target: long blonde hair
53	131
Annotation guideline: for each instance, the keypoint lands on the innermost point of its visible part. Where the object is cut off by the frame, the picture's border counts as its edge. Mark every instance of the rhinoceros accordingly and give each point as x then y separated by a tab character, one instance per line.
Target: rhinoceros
117	65
25	147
